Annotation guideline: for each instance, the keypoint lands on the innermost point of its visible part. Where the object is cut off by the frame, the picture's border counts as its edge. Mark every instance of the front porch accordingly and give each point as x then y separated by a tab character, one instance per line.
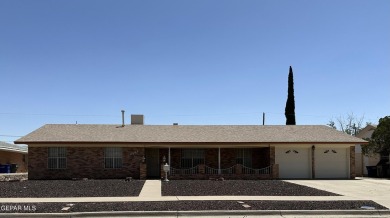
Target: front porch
210	163
237	171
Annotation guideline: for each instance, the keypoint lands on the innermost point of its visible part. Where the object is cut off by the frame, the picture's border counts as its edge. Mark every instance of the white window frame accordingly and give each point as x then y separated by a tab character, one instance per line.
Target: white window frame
113	157
56	158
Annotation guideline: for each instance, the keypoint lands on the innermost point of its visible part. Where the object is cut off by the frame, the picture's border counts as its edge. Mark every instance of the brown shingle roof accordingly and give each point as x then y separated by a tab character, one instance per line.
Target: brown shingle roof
63	133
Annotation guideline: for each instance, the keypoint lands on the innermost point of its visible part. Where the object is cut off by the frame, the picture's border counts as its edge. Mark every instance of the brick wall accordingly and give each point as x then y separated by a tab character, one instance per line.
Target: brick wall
84	162
163	152
275	171
271	155
211	157
142	171
228	157
260	157
88	162
175	157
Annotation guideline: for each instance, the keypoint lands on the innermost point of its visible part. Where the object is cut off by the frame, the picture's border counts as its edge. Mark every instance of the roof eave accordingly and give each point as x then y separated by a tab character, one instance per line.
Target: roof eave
249	142
14	150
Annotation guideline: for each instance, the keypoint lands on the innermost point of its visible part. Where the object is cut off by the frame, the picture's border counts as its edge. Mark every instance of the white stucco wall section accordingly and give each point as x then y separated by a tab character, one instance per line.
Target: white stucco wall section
332	162
295	161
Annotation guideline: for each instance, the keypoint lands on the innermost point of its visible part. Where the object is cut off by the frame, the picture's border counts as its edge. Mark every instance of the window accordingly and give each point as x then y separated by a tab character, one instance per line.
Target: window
56	158
244	157
191	157
113	158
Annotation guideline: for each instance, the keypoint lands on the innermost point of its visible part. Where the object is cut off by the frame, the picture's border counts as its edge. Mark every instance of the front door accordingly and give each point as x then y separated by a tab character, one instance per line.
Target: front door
152	162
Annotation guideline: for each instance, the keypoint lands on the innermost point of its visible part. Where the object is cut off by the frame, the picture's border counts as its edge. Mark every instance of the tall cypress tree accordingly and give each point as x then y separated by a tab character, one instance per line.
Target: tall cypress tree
290	104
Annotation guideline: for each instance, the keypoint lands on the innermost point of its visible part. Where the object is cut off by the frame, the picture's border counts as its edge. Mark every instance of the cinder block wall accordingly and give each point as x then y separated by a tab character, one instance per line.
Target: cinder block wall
84	162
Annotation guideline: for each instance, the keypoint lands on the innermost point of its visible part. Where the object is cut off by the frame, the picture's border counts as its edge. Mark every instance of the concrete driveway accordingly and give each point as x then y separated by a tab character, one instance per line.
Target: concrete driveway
374	189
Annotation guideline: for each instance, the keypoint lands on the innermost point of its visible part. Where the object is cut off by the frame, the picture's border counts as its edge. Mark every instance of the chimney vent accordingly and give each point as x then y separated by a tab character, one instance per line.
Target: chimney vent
137	119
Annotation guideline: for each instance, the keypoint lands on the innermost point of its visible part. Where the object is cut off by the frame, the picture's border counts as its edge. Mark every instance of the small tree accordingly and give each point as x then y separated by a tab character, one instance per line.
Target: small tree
350	125
380	139
290	104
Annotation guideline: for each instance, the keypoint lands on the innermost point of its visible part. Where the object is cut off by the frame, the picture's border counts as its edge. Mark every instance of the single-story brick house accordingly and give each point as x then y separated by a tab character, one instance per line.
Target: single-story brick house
14	154
63	151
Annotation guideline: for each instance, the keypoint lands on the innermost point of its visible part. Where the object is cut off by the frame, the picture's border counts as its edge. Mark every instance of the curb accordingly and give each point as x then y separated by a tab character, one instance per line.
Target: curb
205	213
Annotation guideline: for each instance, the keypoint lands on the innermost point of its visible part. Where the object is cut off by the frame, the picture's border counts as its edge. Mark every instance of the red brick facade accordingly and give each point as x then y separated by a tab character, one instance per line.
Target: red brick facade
84	162
260	157
88	162
142	171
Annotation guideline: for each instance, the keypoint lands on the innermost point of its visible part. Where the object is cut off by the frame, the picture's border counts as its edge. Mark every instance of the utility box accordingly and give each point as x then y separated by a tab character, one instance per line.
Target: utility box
6	168
371	171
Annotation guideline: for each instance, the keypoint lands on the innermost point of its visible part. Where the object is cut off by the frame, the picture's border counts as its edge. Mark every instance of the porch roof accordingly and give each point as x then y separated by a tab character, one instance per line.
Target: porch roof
76	133
13	148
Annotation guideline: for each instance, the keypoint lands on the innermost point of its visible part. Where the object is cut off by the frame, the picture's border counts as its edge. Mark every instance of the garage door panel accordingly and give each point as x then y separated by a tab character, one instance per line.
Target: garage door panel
332	163
293	162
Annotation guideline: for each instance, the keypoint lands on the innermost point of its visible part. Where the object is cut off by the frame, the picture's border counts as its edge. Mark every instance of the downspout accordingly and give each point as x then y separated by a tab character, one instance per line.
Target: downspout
313	162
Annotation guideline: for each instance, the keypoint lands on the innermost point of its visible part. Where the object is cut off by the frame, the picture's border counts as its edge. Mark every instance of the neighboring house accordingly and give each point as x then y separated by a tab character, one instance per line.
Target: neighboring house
14	154
362	161
193	152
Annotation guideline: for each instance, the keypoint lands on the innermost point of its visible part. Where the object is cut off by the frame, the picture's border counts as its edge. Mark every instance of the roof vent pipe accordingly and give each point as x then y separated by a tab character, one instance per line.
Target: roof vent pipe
123	118
263	118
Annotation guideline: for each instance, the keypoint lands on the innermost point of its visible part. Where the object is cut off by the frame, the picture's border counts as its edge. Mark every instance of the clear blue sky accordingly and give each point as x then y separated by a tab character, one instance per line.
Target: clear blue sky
191	62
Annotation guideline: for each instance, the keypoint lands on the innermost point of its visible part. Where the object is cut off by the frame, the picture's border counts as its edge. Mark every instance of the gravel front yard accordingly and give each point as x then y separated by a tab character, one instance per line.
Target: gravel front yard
238	187
186	206
69	188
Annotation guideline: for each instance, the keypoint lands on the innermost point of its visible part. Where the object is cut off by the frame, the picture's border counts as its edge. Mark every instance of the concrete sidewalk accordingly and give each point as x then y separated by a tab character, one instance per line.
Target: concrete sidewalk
152	188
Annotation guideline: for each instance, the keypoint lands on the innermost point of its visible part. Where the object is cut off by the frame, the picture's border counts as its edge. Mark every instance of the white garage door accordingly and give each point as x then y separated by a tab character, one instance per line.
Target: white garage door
294	163
332	163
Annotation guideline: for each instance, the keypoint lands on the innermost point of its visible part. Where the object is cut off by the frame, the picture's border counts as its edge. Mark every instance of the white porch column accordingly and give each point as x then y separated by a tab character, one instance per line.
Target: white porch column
219	160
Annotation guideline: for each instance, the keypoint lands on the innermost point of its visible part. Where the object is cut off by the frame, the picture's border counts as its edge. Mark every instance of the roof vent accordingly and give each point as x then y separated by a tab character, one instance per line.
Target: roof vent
123	118
175	124
137	119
